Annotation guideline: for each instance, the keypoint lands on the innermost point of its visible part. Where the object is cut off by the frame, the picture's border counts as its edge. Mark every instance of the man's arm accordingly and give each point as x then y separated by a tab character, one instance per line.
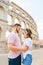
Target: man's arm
13	48
16	49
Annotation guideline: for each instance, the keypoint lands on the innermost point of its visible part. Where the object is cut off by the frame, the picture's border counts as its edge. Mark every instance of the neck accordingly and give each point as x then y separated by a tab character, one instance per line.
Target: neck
14	31
26	37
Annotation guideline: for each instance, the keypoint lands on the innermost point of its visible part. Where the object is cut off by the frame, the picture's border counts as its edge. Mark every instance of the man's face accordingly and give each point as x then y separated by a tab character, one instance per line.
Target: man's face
18	29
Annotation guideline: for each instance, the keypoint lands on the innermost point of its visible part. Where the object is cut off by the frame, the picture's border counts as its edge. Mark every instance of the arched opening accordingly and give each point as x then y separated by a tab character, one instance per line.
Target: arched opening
1	12
22	25
1	8
9	19
7	33
10	7
27	26
0	31
16	20
17	11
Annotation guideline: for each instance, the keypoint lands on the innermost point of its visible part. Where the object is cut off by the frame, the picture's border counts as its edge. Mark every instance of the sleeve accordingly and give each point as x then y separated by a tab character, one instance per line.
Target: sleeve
11	38
28	43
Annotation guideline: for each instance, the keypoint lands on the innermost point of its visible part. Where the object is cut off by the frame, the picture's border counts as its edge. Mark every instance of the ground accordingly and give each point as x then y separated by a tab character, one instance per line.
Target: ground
37	57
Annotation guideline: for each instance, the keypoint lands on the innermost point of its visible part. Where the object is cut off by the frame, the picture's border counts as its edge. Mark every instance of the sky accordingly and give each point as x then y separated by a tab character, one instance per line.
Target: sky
35	9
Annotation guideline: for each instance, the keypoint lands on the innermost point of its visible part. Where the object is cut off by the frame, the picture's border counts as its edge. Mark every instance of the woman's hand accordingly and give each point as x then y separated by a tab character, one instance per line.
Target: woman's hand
25	48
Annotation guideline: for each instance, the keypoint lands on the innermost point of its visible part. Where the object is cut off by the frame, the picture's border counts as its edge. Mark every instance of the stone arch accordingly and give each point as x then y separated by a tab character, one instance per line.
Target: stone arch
2	12
2	7
0	30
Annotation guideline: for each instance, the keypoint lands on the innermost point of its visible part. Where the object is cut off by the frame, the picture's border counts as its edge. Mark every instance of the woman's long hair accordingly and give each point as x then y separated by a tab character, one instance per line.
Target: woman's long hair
29	33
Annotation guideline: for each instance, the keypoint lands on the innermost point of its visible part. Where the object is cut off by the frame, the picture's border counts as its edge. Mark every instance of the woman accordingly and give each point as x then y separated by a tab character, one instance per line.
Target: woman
27	57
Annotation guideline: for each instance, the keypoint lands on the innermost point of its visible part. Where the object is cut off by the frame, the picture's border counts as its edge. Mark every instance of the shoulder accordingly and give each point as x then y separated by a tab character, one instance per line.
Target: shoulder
12	35
28	39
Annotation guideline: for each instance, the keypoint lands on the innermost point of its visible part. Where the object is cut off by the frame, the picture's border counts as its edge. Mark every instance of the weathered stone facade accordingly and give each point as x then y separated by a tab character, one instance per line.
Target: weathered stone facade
9	11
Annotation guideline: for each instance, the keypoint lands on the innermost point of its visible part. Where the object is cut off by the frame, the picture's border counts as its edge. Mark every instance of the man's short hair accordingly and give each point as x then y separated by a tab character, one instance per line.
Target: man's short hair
17	24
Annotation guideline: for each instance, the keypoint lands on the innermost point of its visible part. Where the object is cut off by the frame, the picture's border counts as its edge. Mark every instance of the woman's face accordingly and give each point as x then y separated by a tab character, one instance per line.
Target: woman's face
25	34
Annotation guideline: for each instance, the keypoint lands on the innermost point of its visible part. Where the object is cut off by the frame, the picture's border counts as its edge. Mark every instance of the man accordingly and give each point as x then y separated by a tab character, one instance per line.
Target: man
14	57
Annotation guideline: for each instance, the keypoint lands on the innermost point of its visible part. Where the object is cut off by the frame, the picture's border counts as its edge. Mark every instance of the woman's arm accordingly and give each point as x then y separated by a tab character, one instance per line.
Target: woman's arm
25	48
16	49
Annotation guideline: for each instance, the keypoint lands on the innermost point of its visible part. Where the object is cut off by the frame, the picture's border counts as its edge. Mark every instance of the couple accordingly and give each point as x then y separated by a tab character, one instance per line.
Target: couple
15	47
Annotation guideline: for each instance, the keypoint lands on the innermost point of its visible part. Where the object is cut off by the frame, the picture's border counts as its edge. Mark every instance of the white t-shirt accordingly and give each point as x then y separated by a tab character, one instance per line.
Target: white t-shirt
27	42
